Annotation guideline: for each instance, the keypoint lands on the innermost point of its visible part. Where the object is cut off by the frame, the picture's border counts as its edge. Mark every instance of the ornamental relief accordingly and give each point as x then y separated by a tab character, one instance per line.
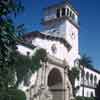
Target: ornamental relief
54	48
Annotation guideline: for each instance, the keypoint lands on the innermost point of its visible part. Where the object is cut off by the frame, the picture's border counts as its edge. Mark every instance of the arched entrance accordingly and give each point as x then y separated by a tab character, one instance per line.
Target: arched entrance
55	84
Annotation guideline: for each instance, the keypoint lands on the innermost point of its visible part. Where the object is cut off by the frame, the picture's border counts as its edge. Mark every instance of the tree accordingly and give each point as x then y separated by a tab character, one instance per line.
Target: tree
73	75
8	40
26	65
85	61
12	94
8	58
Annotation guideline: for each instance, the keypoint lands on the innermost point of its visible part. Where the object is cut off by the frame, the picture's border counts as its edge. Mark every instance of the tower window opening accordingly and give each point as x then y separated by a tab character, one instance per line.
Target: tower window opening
67	11
73	16
63	11
58	13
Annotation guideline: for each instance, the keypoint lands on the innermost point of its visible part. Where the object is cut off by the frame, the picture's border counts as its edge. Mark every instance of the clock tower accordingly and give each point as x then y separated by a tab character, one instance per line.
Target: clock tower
61	20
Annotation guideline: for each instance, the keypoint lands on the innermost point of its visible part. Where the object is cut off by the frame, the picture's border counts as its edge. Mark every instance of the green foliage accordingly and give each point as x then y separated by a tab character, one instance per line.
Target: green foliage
86	61
9	61
7	41
73	75
7	45
17	94
10	7
22	66
26	65
12	94
39	57
85	98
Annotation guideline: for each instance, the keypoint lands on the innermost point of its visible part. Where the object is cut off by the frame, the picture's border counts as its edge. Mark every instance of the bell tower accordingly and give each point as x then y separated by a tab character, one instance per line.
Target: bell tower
61	20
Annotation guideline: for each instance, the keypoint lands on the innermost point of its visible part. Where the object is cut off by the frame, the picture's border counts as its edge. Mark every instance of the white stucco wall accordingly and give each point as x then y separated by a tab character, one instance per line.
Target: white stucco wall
55	28
61	50
23	50
72	37
61	53
63	28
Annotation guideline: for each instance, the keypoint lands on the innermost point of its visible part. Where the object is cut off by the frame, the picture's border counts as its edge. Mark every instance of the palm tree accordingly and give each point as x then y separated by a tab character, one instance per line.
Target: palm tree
73	75
85	61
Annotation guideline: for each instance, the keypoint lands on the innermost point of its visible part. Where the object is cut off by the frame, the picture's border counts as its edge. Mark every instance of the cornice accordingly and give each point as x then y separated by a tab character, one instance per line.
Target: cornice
62	3
37	34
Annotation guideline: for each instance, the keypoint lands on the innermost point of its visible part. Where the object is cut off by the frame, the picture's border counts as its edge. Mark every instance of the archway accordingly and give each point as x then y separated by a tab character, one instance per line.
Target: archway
91	80
87	78
55	84
95	81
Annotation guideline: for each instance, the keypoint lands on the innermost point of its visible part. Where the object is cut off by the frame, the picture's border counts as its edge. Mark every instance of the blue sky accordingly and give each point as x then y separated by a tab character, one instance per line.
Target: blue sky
89	35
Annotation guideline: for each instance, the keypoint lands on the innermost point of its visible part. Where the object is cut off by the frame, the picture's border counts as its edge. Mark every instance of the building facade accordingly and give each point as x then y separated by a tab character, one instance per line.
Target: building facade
60	40
91	79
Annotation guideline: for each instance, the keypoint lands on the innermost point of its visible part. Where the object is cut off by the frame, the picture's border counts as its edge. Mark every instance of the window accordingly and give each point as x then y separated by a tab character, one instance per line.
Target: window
82	76
28	53
91	94
87	78
67	11
58	13
95	81
63	11
70	13
91	79
73	16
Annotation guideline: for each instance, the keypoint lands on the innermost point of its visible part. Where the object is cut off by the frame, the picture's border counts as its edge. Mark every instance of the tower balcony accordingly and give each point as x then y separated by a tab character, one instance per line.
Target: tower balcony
61	11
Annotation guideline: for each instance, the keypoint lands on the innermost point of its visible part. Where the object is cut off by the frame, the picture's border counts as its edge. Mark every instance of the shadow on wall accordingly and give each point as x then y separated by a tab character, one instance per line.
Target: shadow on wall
97	91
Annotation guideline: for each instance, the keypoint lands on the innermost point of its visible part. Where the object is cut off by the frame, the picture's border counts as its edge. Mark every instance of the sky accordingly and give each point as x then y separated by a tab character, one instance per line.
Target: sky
89	18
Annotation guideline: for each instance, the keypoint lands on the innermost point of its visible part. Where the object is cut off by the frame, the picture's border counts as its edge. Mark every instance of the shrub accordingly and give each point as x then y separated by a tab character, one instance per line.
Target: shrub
85	98
17	94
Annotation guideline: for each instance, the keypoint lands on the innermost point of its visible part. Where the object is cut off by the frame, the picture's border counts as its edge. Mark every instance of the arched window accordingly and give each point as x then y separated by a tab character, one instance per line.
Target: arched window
68	11
95	81
82	76
73	16
87	78
54	77
63	11
91	94
91	79
58	13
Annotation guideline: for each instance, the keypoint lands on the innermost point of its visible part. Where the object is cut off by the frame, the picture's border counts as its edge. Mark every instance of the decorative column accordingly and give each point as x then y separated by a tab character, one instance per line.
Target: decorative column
65	85
68	86
43	86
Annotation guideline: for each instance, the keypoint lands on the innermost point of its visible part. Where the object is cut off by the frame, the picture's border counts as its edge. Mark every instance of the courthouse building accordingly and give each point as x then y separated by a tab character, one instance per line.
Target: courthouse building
60	39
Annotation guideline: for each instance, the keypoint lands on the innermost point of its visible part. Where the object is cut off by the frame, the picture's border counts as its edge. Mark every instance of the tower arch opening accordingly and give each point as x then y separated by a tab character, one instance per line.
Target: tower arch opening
55	84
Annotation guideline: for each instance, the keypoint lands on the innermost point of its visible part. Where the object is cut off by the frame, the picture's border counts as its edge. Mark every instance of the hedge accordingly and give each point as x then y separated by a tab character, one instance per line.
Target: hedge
85	98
